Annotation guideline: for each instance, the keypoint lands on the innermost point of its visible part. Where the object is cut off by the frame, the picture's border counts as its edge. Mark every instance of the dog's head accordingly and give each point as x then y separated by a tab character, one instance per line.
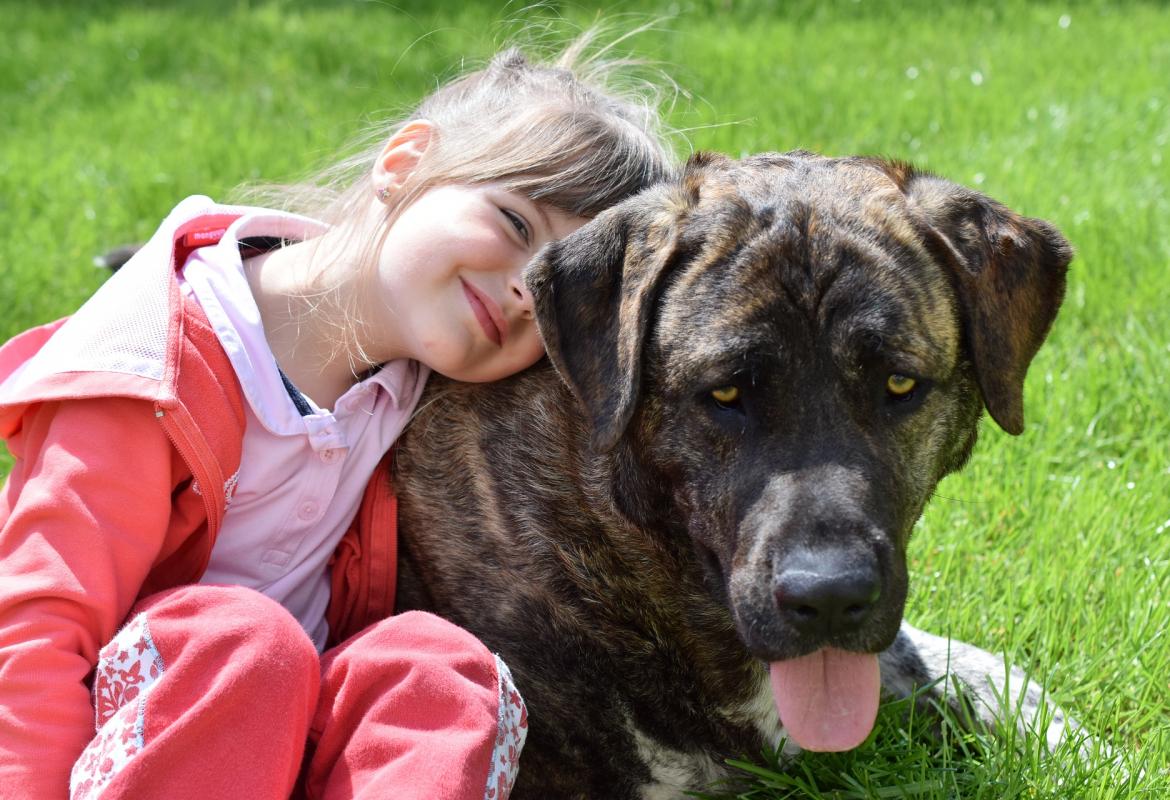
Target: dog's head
784	355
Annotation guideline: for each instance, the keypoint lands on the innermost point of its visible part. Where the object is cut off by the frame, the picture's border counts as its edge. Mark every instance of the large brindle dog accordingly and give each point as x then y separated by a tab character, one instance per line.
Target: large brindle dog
686	534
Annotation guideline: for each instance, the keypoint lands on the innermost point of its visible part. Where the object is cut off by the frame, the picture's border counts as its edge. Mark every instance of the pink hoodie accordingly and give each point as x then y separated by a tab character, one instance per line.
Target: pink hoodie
116	417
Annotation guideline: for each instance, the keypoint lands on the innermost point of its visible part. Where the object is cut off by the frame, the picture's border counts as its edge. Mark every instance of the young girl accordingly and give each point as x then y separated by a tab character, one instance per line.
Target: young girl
192	445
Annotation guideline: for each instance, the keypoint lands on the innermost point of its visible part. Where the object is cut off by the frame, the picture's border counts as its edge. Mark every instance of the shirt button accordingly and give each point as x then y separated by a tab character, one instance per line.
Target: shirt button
331	455
307	511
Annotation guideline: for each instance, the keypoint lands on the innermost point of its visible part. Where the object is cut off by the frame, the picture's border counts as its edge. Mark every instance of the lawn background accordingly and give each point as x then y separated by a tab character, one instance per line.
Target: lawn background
1052	547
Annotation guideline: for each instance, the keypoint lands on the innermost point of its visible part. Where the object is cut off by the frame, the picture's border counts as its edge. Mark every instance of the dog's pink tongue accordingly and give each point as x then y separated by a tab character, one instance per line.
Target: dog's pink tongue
827	700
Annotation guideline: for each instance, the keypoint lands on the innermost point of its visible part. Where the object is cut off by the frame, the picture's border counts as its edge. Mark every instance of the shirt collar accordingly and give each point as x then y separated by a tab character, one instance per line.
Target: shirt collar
216	276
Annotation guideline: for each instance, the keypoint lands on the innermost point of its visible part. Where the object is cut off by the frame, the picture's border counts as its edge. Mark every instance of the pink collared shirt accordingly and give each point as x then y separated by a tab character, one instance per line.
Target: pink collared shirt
301	478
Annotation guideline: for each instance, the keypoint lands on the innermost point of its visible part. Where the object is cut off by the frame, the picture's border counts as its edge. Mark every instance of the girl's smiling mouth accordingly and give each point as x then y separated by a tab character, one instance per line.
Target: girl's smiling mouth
487	313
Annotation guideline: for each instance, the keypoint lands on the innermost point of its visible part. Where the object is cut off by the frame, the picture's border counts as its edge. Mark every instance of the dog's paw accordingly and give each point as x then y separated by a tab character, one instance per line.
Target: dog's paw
979	688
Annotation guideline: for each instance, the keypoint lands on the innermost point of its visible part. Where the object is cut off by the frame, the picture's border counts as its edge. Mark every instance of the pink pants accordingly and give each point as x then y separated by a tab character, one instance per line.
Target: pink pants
213	693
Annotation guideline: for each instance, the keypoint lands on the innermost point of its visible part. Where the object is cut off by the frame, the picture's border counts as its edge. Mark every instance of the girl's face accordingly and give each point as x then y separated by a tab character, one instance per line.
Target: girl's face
449	276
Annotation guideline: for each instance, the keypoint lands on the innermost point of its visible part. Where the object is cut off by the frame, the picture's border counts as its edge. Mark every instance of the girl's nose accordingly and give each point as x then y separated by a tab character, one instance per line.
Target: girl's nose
521	298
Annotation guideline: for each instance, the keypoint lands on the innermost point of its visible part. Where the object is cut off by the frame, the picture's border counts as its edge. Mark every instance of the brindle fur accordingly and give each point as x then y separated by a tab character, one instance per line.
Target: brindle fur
616	535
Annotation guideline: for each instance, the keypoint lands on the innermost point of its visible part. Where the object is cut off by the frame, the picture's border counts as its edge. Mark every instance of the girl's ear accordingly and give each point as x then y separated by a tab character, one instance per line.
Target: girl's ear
400	156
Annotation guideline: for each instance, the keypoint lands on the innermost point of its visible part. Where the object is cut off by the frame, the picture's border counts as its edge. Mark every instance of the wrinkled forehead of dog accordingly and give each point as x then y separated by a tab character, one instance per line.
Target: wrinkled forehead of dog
801	257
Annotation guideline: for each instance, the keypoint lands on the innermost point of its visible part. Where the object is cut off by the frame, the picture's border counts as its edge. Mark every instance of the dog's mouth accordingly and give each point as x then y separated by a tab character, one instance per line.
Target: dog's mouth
816	588
828	699
819	624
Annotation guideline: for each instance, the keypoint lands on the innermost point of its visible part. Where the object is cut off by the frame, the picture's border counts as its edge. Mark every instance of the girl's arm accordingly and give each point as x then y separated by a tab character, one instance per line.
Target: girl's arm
83	516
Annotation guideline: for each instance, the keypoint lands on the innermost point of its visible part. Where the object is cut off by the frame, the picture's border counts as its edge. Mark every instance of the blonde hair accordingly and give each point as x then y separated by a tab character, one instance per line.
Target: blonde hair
560	132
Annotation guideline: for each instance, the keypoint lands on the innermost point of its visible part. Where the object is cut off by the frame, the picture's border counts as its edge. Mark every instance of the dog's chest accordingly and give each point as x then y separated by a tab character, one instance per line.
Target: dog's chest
673	771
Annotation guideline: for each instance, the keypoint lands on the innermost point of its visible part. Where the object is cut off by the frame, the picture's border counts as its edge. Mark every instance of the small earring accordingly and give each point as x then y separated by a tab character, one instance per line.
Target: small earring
382	194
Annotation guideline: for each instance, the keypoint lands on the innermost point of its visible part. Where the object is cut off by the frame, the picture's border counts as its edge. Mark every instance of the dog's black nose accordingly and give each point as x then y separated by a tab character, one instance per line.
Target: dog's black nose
826	591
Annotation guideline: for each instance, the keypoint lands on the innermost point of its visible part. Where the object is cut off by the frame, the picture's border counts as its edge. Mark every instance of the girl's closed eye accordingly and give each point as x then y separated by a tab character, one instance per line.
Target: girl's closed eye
519	223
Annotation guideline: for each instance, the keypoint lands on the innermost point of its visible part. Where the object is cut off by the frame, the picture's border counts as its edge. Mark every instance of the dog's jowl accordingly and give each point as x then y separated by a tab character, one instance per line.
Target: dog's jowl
686	534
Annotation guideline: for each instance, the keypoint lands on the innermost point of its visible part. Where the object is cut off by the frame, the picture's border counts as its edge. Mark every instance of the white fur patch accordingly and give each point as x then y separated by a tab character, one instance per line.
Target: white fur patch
675	772
760	712
672	771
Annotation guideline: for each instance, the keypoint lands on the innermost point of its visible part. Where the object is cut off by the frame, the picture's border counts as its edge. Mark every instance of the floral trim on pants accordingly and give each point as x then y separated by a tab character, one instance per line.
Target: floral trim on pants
127	669
511	731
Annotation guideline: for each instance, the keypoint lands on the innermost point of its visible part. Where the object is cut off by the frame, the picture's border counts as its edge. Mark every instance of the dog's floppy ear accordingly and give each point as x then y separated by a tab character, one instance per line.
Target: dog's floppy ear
596	291
1009	273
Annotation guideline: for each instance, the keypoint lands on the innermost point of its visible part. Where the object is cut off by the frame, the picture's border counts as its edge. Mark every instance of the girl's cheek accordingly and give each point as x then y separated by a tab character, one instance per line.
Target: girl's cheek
534	349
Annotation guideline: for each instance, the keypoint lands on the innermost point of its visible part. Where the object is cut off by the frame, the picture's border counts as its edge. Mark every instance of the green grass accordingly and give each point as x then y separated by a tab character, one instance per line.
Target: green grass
1053	547
912	756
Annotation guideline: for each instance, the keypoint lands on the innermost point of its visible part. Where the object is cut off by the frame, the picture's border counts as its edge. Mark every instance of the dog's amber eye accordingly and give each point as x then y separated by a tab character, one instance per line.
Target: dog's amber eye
725	395
900	385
